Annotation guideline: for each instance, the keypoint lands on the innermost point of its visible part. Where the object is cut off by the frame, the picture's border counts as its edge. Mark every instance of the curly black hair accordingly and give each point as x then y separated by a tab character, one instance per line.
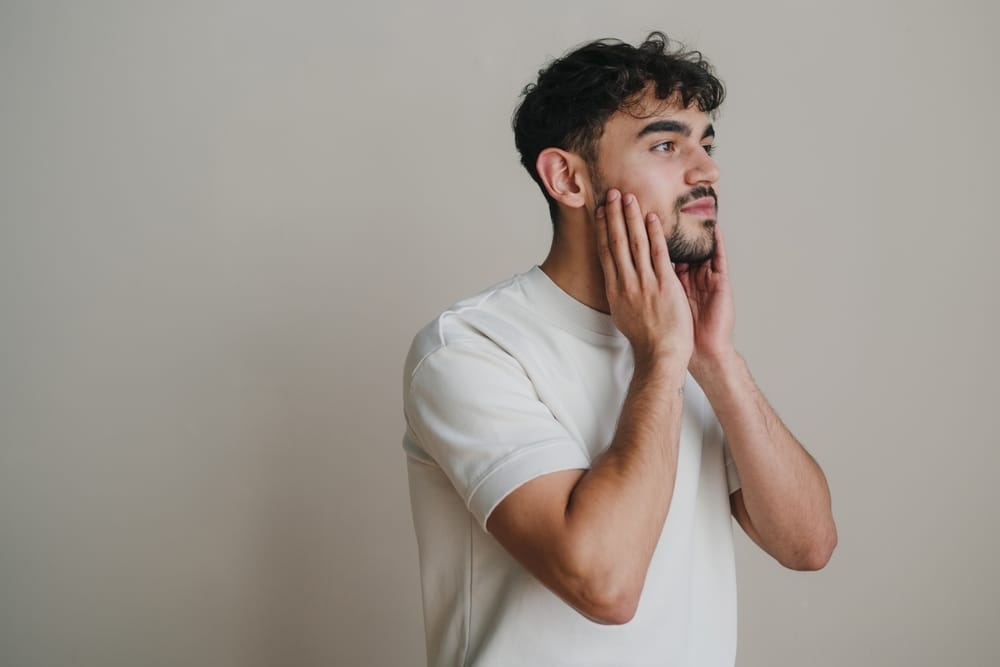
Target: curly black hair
576	94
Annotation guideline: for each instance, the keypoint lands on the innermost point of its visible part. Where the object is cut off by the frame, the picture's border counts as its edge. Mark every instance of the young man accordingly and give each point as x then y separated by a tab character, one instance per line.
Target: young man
578	436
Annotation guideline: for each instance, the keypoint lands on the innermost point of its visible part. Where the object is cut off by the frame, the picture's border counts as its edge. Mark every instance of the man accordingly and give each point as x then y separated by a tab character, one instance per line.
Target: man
578	436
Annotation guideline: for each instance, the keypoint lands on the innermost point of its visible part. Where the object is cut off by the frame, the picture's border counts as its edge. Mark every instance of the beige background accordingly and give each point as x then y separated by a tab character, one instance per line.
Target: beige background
222	223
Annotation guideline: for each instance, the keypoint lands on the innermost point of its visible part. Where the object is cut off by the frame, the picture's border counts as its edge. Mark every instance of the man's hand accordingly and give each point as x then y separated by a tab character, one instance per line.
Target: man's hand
647	301
713	310
589	535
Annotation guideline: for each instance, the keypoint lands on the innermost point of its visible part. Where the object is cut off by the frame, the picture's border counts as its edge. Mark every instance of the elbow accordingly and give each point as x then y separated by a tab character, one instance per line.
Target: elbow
615	610
816	556
606	593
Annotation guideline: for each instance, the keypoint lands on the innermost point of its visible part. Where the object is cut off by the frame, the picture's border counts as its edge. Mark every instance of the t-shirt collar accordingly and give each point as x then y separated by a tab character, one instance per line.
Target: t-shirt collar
559	305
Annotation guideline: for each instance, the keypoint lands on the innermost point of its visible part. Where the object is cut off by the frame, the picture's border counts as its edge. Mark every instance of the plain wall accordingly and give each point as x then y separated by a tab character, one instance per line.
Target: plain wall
223	223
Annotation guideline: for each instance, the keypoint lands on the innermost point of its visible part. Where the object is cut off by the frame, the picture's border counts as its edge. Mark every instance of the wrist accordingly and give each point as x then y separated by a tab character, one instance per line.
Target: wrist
668	362
719	364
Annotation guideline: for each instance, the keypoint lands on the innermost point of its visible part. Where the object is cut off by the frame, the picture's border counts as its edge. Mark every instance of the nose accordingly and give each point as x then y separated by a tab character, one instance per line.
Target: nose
702	168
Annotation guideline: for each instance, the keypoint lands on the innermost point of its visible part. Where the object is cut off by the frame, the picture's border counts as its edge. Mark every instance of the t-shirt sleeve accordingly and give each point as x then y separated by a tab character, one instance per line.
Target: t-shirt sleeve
475	411
732	474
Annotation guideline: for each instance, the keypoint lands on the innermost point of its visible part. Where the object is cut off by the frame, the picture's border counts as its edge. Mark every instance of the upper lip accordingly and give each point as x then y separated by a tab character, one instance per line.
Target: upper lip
704	202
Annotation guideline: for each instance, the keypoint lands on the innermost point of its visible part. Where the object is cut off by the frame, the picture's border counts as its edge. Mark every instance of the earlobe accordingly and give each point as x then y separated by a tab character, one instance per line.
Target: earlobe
562	173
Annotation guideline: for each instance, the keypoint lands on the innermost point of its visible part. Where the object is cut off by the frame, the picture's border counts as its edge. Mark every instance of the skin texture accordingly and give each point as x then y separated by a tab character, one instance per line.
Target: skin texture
589	534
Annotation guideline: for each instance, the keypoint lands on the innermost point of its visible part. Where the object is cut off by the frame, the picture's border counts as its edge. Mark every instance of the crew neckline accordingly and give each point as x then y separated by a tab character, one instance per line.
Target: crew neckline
558	304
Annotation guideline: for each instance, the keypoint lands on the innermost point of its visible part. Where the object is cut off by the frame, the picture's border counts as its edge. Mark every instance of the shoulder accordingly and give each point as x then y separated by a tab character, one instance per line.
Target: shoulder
478	322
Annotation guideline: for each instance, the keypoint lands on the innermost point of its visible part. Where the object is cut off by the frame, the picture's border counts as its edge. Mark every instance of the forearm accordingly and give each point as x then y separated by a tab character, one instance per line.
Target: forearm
784	490
616	511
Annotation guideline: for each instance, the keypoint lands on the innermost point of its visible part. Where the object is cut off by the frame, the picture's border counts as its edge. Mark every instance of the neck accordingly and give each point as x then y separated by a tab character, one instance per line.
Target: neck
573	264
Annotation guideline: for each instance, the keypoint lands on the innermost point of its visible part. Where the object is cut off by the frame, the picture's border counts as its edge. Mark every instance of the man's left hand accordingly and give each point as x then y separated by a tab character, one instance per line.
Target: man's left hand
712	308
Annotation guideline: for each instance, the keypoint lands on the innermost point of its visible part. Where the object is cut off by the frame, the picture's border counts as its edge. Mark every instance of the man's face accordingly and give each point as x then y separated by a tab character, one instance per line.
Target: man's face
661	154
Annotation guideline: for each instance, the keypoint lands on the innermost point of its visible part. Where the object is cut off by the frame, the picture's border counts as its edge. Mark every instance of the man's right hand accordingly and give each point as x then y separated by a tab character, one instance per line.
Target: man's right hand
589	535
647	301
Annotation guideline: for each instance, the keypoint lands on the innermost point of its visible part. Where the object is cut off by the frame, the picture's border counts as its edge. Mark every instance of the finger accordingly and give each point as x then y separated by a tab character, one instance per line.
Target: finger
658	247
618	240
603	249
638	240
685	281
720	262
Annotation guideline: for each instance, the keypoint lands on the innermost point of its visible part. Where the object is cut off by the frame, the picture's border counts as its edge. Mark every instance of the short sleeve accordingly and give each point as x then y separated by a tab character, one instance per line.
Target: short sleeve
732	474
475	411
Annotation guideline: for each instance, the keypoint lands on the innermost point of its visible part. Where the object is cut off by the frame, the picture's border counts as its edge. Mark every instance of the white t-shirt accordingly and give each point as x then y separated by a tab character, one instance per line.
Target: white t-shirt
518	381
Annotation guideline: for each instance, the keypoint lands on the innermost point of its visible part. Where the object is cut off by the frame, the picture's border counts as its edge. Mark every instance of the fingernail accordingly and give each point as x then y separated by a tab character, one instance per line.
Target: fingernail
628	199
612	195
600	211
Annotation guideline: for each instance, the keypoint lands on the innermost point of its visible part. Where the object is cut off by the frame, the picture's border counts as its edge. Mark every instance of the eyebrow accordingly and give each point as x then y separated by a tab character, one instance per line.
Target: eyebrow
673	126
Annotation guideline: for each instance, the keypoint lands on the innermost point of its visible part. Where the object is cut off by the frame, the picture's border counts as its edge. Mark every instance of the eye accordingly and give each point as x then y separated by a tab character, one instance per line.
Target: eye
664	147
710	148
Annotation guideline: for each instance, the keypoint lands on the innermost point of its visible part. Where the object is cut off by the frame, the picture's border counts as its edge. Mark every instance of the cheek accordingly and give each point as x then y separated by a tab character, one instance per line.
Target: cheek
659	199
656	186
654	183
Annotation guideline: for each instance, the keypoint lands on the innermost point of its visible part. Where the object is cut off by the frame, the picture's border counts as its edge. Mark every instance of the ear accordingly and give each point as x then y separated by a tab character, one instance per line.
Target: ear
565	176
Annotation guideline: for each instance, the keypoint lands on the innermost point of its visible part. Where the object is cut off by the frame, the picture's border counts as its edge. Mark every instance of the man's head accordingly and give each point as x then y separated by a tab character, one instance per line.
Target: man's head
634	118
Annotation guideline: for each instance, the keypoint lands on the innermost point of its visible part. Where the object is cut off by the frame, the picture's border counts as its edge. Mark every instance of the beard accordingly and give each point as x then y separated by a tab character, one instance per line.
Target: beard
683	247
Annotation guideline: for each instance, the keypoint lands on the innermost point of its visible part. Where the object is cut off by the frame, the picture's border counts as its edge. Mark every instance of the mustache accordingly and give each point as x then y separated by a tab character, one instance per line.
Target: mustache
696	193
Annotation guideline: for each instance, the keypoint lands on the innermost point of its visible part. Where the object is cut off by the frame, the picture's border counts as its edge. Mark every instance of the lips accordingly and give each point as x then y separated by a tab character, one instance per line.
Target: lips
703	206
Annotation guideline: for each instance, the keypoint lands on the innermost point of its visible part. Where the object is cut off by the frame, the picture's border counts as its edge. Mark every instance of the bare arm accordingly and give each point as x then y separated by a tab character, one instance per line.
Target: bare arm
785	499
784	505
589	535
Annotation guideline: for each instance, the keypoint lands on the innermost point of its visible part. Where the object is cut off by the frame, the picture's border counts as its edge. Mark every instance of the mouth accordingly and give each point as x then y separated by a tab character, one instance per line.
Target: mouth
702	207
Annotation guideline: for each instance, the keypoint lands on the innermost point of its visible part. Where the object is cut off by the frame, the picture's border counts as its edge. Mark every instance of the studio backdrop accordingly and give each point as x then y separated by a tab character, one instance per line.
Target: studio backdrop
221	224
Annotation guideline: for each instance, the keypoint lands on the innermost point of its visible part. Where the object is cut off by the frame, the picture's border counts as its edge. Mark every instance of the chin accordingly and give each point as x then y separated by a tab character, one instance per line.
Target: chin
684	250
693	258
